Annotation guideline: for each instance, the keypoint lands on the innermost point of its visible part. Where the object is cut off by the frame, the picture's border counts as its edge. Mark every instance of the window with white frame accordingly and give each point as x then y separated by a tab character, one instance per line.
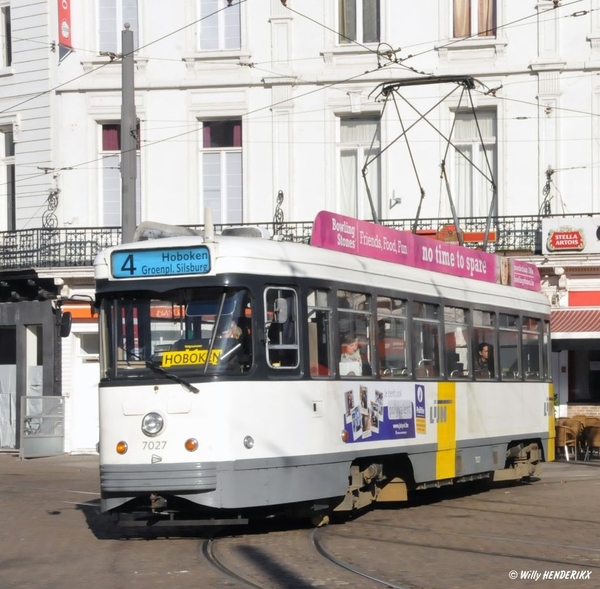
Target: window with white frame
5	30
219	26
359	21
473	172
359	143
8	221
110	180
474	18
221	169
112	16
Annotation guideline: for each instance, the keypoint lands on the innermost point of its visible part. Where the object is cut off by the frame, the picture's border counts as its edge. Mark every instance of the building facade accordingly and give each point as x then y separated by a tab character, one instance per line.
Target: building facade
476	113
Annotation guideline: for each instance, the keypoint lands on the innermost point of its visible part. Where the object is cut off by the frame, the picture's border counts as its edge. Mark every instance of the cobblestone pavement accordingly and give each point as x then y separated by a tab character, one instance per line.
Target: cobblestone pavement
55	538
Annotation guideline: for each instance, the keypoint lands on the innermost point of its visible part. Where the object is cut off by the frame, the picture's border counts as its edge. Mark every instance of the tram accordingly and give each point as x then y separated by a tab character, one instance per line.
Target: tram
245	377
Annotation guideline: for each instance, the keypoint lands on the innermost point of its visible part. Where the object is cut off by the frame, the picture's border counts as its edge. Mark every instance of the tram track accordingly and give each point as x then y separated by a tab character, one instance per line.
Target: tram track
209	553
357	552
316	541
256	561
300	558
527	558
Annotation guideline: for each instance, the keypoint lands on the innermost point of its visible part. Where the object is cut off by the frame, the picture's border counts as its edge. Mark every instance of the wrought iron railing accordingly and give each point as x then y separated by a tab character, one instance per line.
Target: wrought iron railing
54	247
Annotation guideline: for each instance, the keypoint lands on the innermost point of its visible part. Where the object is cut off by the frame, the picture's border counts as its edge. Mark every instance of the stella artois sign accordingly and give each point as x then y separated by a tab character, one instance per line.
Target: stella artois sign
565	239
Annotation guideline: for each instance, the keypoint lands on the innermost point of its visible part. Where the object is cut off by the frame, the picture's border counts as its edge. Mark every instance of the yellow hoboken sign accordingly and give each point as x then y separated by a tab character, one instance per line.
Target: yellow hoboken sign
189	358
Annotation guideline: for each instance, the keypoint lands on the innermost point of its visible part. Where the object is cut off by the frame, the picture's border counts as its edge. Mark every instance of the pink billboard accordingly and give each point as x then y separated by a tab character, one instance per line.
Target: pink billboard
361	238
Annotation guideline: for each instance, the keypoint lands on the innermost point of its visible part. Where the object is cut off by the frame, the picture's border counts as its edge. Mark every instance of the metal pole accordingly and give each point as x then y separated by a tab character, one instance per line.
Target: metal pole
128	138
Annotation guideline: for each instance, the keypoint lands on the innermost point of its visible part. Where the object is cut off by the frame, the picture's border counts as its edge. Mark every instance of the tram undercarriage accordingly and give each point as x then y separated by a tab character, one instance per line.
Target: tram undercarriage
390	480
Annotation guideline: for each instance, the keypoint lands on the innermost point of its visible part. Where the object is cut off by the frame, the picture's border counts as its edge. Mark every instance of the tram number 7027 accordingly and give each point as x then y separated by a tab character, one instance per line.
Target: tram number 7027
154	445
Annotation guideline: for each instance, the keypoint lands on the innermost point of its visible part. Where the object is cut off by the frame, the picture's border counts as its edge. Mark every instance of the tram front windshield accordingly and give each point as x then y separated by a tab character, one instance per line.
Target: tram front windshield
189	332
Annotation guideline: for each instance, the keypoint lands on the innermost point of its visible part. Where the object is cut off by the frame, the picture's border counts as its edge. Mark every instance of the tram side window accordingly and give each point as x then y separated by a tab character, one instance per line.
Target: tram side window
531	348
355	333
319	337
484	364
547	352
281	323
510	358
426	340
456	340
391	337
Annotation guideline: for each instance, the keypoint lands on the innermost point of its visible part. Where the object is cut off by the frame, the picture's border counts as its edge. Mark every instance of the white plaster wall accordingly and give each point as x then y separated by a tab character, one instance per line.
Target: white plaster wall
289	83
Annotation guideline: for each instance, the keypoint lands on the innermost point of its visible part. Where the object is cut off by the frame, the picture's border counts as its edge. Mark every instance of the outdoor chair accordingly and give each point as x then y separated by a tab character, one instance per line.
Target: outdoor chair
565	439
592	440
577	426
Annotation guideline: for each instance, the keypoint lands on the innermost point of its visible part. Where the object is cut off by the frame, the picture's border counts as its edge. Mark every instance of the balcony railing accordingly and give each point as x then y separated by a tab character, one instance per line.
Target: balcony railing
45	247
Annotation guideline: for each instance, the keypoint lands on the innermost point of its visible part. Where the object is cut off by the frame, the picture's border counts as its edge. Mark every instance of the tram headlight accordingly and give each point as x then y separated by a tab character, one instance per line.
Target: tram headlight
152	424
249	442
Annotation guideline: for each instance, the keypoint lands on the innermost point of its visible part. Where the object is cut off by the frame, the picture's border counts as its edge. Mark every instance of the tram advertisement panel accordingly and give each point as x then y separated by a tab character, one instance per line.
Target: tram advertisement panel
346	234
383	412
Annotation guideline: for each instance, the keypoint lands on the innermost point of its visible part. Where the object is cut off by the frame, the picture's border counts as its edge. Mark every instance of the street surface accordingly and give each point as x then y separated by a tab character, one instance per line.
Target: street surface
542	533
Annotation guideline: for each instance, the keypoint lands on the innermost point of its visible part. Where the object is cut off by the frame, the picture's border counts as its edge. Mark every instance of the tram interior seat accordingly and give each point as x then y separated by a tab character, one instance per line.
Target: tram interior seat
392	356
394	372
425	368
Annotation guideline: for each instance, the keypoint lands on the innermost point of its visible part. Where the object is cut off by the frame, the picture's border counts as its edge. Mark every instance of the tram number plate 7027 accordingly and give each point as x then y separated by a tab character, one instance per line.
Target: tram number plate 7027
154	445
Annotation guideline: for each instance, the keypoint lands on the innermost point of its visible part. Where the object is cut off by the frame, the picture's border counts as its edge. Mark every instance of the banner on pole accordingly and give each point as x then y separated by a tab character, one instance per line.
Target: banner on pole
64	24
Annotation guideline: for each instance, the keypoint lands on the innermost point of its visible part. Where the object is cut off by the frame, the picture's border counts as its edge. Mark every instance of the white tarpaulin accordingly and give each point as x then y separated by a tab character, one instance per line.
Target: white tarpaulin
8	406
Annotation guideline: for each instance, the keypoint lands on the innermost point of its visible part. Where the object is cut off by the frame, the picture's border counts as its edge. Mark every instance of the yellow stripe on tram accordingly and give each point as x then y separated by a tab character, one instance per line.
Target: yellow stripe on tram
551	425
445	462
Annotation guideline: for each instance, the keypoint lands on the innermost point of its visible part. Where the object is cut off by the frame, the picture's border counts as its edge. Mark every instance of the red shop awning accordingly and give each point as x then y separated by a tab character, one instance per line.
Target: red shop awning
575	323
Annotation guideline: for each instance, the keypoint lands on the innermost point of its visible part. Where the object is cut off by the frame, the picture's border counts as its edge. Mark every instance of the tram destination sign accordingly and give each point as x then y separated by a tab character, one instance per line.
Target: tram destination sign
160	262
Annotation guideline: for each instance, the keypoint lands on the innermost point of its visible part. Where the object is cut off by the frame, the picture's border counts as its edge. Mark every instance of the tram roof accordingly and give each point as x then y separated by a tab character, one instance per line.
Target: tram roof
267	257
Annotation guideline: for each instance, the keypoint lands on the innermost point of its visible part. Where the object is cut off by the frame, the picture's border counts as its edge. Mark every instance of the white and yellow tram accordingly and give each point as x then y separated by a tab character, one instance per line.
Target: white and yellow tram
244	376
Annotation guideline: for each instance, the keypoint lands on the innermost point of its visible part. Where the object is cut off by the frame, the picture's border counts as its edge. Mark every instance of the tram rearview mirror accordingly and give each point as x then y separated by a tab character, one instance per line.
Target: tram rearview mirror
280	310
65	324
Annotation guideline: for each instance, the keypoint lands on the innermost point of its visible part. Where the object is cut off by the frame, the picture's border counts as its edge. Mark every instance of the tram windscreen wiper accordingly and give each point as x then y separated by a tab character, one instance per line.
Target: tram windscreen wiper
149	364
186	385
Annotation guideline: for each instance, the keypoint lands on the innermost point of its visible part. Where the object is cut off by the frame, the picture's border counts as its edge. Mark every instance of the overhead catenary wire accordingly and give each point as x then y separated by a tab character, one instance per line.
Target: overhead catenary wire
195	130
